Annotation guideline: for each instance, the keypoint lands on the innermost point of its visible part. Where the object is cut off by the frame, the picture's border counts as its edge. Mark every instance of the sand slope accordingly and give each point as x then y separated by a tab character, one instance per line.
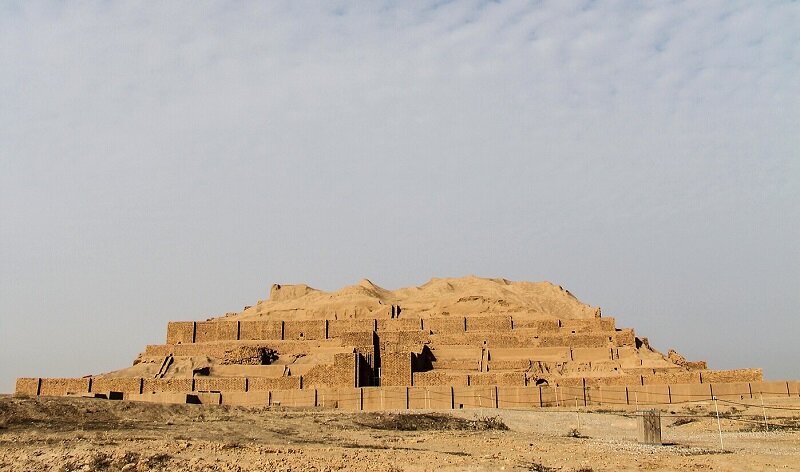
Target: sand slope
70	434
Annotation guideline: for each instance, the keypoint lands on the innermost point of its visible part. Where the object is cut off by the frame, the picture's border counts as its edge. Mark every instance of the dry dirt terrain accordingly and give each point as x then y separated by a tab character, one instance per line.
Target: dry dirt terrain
86	434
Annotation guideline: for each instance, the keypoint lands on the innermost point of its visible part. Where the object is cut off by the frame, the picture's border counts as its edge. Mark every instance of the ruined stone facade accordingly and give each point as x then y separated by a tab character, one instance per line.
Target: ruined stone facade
256	357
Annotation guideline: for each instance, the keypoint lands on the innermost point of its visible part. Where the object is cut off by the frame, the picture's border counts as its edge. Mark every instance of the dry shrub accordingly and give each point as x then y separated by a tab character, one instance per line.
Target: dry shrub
428	422
684	420
574	433
536	467
493	423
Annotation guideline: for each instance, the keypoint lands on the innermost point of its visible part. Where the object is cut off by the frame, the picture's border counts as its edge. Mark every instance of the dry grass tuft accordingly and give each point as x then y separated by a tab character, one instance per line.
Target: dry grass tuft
428	422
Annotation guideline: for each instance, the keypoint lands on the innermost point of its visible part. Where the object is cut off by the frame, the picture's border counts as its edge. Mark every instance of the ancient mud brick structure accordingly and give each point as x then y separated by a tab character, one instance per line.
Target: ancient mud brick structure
450	343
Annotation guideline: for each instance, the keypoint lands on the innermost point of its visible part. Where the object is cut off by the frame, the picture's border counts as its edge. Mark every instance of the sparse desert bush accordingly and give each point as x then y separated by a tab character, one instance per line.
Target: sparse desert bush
158	461
574	433
428	422
99	461
684	420
731	412
775	424
123	459
536	467
695	410
493	422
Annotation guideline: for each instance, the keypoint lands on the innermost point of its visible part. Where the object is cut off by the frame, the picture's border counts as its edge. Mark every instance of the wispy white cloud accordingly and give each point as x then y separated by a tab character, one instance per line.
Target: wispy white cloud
396	140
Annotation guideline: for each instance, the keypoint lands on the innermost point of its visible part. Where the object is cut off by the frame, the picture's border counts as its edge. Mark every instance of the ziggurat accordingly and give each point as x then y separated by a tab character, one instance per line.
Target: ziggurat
450	343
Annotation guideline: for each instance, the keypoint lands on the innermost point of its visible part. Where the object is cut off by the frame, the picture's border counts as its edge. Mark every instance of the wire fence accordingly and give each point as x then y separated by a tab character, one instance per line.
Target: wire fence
508	397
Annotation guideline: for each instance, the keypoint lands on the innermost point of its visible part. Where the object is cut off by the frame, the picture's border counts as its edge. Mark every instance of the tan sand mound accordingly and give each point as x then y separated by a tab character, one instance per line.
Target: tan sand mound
457	296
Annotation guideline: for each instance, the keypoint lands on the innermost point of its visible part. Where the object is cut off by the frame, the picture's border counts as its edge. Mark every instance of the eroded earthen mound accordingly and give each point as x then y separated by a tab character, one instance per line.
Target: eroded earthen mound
439	297
470	336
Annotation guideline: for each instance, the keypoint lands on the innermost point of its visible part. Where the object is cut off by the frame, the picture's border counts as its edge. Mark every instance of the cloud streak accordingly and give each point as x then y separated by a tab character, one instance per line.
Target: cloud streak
199	151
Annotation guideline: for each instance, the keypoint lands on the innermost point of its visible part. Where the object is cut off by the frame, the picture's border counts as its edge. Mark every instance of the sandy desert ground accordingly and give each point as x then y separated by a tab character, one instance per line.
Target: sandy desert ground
67	434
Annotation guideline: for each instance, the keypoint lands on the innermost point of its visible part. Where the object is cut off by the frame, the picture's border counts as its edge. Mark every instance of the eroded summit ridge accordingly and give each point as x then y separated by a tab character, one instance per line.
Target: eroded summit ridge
467	296
462	333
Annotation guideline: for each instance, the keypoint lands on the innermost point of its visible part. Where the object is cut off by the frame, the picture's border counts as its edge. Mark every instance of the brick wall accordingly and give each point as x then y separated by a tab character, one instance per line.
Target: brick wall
591	353
614	380
730	376
367	367
625	337
589	325
363	338
344	368
294	397
158	350
576	340
337	327
396	368
678	377
57	387
318	376
770	389
509	339
405	337
488	323
510	364
498	378
220	384
562	395
569	381
399	324
166	385
302	347
365	350
538	325
385	398
612	395
247	355
404	347
557	354
206	331
216	350
457	364
257	329
608	324
304	329
732	391
679	393
442	352
436	378
180	332
526	337
638	370
273	383
519	397
27	387
452	324
439	391
627	352
113	384
481	396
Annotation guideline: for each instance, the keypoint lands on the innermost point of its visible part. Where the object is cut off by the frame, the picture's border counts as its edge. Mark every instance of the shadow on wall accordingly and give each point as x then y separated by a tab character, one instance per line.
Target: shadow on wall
423	362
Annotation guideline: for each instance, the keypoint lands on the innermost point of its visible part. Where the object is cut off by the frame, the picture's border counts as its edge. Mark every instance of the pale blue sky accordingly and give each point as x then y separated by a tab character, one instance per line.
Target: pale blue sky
171	160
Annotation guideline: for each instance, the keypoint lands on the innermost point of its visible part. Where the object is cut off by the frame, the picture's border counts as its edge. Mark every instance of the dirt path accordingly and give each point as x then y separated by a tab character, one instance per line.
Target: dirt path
83	434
